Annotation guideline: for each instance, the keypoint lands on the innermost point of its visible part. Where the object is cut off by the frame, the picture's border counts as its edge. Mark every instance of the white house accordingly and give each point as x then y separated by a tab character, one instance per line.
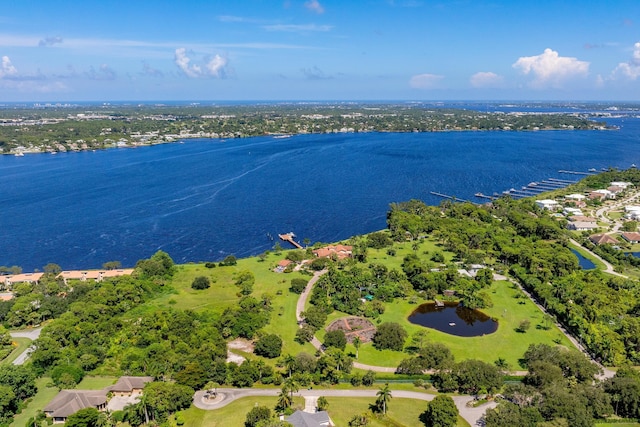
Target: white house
572	211
547	204
621	184
606	193
575	197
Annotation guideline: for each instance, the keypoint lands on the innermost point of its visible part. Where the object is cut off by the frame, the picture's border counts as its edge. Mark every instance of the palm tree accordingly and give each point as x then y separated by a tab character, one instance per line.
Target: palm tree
284	400
384	396
356	343
290	386
289	362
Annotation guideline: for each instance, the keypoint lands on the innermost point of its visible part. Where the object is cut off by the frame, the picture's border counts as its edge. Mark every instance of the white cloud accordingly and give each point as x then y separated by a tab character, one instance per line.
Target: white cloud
7	69
631	69
551	69
314	6
486	80
298	28
215	67
425	81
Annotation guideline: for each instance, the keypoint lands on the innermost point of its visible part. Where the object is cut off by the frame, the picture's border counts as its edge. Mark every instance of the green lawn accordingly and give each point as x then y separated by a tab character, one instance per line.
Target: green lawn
505	342
38	402
21	345
406	412
96	383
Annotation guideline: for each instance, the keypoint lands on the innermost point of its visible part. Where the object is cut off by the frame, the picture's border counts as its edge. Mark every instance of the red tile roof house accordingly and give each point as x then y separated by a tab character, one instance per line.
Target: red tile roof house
340	251
603	239
282	265
633	237
9	281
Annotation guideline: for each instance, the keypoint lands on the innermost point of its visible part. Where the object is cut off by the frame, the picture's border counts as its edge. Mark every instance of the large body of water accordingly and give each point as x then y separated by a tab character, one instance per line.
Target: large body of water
203	199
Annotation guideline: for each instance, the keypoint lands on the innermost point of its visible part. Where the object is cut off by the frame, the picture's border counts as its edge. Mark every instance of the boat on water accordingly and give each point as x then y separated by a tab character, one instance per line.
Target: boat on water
19	154
281	136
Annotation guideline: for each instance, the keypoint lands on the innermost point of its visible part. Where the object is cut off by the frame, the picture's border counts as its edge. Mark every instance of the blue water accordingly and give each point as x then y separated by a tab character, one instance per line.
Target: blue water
585	263
204	199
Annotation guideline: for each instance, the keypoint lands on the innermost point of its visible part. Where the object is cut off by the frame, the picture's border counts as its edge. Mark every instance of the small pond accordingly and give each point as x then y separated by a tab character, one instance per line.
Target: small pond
453	319
585	263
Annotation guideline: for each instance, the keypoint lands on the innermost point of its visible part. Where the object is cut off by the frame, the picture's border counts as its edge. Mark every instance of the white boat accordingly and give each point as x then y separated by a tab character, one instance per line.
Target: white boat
281	136
19	154
452	324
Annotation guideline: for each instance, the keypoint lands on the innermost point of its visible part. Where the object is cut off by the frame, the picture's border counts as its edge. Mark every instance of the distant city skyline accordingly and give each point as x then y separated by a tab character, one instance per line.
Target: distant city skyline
212	50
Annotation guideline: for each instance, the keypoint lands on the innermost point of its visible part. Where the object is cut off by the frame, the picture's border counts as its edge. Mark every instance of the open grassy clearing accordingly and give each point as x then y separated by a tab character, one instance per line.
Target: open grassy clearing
37	402
505	342
96	383
21	344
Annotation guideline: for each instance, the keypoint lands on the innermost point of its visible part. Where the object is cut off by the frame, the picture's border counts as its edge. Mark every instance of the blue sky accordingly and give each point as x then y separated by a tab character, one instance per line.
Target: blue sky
216	50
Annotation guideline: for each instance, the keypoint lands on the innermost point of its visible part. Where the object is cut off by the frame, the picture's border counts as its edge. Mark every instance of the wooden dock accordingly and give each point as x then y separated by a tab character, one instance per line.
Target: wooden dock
577	173
454	198
288	237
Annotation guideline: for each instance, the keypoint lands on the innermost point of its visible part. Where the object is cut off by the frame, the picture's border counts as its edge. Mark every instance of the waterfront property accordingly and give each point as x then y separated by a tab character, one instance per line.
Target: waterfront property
339	251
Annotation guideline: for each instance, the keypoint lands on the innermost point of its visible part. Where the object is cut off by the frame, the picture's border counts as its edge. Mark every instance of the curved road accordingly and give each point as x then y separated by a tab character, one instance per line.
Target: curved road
32	334
227	395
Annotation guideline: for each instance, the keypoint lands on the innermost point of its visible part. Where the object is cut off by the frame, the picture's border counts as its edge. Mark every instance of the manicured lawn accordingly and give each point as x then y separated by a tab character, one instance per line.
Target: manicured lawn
341	410
37	402
96	383
406	412
21	345
505	342
232	415
617	425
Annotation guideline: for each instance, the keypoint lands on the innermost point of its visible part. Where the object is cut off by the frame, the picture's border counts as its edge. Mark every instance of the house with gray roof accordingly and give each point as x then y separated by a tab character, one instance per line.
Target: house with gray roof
68	402
306	419
127	386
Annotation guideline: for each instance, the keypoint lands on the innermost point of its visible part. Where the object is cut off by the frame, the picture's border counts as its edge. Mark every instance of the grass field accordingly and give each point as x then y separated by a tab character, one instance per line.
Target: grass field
96	383
505	343
37	402
405	412
21	345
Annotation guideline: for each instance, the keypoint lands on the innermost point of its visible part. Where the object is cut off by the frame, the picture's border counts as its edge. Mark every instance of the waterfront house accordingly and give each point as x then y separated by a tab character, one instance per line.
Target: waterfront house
95	275
603	239
339	251
282	265
631	237
547	204
575	197
7	282
623	185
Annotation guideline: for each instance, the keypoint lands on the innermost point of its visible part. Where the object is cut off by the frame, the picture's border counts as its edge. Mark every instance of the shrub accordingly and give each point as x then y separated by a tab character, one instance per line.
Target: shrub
200	282
269	346
390	335
228	261
298	285
335	339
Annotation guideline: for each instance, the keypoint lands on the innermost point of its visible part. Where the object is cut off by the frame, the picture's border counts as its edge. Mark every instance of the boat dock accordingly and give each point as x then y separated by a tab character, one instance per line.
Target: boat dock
288	237
446	196
577	173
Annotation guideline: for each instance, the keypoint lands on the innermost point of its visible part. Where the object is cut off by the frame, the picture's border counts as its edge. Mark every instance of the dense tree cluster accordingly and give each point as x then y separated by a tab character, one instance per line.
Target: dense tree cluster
558	388
17	383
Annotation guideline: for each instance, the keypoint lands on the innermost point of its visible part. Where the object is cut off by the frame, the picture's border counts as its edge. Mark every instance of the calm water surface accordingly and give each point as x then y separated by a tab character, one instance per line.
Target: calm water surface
585	263
453	319
204	199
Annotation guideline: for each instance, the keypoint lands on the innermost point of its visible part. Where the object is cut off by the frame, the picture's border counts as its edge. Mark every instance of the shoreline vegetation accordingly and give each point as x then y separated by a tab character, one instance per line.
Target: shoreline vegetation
65	128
